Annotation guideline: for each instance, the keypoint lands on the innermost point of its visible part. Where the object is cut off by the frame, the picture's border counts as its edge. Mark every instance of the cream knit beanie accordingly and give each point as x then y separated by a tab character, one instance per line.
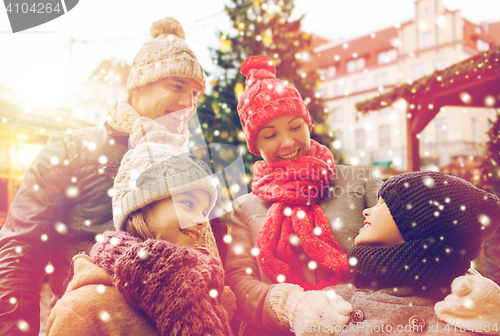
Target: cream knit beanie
166	55
154	171
474	300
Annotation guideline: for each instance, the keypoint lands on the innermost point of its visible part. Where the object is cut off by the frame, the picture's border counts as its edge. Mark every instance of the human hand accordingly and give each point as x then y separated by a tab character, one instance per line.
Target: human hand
474	300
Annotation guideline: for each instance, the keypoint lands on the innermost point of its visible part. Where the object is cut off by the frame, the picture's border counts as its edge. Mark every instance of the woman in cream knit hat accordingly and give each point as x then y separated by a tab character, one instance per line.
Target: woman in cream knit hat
159	273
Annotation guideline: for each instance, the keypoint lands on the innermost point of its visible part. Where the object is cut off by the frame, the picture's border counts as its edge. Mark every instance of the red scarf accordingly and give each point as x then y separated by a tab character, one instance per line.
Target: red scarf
297	185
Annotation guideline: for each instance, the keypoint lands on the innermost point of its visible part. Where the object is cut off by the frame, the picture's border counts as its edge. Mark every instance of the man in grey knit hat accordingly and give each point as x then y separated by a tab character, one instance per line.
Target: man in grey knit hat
65	198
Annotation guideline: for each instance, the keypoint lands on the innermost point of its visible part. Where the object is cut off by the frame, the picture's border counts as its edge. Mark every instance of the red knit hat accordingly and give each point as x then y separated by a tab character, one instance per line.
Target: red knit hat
266	98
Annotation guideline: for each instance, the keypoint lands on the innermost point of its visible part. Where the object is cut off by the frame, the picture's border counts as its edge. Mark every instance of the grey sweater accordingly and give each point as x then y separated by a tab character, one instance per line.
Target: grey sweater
353	189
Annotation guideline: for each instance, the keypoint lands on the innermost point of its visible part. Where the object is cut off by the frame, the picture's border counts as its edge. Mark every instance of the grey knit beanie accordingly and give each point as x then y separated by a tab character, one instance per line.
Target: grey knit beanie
154	171
166	55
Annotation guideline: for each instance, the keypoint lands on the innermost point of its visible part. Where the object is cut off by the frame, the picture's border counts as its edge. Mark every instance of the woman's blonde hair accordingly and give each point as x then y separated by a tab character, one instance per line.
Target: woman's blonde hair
137	227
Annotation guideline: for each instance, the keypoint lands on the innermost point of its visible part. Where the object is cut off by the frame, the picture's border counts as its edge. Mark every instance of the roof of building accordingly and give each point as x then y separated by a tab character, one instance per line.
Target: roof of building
367	46
482	65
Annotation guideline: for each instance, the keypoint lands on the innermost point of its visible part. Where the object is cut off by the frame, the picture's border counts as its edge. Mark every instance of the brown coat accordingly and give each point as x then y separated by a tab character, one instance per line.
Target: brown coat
93	306
353	189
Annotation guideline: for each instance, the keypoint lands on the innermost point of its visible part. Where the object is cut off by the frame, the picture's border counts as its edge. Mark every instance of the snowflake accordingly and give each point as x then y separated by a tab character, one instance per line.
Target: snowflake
301	214
294	239
44	237
213	293
429	182
248	271
72	192
227	239
18	249
280	278
287	211
312	265
100	289
254	252
104	316
61	228
238	249
143	254
484	220
331	294
23	325
49	269
317	231
353	261
114	241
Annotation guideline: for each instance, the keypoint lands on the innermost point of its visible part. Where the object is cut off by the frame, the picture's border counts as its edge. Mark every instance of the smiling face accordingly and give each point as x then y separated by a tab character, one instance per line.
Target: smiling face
179	219
172	97
284	138
380	230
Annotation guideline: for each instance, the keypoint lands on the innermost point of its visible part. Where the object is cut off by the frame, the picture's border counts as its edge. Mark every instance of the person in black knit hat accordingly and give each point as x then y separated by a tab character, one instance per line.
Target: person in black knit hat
423	233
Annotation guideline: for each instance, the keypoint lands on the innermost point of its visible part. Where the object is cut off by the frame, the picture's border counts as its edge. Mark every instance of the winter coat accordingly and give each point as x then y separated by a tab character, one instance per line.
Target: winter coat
63	202
353	189
391	311
93	306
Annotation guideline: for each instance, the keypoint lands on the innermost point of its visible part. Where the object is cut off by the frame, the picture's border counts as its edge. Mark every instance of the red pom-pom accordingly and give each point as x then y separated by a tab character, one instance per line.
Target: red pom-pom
257	62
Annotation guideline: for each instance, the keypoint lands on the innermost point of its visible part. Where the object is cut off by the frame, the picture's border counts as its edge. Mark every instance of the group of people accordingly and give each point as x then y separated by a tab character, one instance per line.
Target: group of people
316	249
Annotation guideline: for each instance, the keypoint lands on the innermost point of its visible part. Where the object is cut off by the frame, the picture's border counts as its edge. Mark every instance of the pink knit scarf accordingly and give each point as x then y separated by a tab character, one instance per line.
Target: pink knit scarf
172	285
295	186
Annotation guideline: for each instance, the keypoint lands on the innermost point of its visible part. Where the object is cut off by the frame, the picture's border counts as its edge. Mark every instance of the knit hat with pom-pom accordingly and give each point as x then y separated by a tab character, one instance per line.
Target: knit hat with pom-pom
166	55
266	98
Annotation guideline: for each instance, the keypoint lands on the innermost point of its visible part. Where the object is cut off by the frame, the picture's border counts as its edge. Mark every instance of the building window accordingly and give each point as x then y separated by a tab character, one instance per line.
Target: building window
339	89
360	139
380	79
331	72
475	130
439	63
355	65
359	84
417	70
384	136
338	114
427	39
387	56
482	45
441	129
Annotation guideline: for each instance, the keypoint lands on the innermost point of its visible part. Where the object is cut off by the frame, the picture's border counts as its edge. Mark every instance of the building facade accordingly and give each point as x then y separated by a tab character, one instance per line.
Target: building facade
355	70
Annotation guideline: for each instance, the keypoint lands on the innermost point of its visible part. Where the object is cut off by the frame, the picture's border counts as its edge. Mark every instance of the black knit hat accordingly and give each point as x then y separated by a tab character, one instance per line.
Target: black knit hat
444	207
443	219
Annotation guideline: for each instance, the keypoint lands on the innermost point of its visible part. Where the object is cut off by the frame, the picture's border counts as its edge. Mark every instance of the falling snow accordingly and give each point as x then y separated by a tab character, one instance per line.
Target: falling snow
429	181
143	254
227	239
213	293
61	228
238	249
294	239
104	316
254	252
280	278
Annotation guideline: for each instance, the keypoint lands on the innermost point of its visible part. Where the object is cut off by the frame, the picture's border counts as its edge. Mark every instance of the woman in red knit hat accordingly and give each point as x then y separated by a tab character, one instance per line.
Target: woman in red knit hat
291	235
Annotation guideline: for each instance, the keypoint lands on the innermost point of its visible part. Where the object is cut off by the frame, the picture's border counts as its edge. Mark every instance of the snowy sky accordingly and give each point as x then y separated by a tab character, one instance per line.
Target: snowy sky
37	63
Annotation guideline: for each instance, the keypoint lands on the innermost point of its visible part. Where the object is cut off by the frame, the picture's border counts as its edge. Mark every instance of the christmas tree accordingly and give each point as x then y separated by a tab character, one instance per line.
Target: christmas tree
488	263
258	28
